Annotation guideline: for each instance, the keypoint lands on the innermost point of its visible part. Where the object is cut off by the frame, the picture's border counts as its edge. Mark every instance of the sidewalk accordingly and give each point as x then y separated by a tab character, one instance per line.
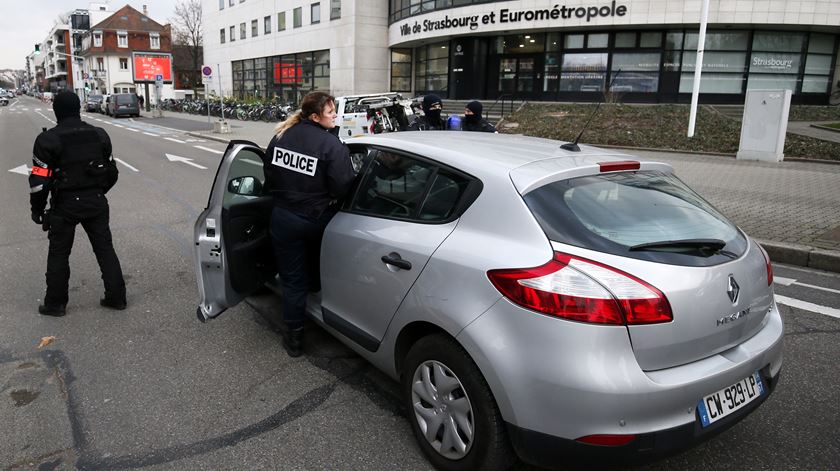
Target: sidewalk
792	208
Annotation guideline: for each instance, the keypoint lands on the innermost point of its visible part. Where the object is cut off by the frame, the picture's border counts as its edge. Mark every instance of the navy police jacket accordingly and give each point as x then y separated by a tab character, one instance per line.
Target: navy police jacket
307	168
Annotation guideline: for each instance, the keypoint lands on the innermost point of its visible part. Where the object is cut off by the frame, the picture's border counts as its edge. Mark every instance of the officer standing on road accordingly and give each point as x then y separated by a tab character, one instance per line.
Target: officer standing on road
307	169
472	118
431	120
72	162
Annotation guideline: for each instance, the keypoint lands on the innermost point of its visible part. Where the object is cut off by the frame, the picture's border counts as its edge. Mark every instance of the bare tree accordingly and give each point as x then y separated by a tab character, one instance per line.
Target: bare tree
187	31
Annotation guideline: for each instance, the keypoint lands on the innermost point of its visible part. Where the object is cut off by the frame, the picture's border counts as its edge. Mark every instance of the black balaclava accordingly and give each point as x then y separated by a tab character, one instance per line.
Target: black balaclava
66	105
433	116
476	108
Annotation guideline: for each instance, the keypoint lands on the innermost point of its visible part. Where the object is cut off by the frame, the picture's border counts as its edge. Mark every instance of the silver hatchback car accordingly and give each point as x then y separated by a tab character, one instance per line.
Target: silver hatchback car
531	300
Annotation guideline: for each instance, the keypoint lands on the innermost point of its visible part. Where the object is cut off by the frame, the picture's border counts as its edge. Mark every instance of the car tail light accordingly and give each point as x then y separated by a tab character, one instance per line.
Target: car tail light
767	264
618	166
583	290
607	440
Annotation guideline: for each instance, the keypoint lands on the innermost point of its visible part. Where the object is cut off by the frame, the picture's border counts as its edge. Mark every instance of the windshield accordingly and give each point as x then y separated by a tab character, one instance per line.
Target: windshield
95	98
643	215
125	99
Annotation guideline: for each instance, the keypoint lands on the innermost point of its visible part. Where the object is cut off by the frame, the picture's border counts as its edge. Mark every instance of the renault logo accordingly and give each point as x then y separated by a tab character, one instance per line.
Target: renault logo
732	290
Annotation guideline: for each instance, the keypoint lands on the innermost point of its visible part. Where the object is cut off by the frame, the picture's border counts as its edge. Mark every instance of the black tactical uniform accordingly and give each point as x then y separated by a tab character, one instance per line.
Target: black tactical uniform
72	162
474	121
431	119
307	169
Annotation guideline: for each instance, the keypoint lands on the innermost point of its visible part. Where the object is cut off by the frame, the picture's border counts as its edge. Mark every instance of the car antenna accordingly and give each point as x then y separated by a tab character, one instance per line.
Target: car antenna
573	146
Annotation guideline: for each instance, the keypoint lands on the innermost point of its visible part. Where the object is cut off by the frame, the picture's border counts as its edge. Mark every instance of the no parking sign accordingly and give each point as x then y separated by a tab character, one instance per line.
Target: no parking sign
206	73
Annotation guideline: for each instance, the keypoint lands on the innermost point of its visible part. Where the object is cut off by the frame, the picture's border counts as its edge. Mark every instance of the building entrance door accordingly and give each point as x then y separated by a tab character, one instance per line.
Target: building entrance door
520	75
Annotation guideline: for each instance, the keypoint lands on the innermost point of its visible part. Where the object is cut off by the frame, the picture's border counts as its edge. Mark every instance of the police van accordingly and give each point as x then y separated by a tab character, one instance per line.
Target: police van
373	114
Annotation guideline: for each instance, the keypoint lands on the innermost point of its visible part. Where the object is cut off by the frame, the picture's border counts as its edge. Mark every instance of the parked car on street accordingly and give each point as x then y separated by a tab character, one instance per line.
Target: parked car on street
93	103
532	301
123	104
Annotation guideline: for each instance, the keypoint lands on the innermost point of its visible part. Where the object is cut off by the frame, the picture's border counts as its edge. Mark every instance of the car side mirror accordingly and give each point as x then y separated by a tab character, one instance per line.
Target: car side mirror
245	186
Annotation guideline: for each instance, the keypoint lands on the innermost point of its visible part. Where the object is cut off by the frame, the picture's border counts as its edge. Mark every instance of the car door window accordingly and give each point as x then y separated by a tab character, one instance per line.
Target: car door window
393	185
443	197
246	163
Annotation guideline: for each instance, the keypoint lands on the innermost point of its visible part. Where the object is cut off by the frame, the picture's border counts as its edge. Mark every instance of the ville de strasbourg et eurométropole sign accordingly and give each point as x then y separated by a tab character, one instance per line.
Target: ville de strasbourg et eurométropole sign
506	16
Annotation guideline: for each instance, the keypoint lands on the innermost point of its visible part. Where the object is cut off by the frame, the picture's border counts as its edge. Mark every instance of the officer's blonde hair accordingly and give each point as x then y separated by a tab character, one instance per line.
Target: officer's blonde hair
313	103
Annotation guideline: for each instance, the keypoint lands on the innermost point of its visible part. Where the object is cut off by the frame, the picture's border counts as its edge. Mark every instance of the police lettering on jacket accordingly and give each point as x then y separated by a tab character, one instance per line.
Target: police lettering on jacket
295	162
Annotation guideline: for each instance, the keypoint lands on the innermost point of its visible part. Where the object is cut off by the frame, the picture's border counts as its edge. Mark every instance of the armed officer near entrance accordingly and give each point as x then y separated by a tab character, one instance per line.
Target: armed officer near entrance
72	165
307	170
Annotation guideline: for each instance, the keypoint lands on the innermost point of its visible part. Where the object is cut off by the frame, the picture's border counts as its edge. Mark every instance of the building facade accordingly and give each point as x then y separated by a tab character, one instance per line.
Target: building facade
640	50
110	49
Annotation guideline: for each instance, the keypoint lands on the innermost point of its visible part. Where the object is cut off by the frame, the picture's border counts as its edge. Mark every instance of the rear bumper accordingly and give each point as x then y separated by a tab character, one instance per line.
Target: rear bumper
547	451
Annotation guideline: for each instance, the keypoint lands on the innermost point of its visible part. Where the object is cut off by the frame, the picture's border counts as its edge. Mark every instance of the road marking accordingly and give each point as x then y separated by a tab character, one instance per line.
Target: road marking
174	140
23	170
48	119
790	281
118	126
209	149
133	130
127	165
150	134
175	158
805	305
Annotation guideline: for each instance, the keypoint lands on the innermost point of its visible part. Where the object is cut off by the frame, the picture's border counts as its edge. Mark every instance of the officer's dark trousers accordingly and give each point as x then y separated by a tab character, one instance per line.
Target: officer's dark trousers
90	209
297	248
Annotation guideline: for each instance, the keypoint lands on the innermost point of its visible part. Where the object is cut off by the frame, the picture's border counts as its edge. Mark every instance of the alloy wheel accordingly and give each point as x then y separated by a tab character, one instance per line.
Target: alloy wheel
442	409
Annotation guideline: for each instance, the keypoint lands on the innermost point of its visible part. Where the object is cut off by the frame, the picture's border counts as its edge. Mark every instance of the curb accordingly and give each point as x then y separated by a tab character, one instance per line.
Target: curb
210	137
825	128
802	255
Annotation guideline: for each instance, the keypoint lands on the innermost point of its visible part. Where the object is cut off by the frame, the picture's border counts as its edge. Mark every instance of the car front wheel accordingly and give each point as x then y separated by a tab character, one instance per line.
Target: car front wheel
451	408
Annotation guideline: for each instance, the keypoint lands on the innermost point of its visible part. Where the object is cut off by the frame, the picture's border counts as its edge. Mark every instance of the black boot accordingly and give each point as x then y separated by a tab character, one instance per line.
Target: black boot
112	303
54	311
293	341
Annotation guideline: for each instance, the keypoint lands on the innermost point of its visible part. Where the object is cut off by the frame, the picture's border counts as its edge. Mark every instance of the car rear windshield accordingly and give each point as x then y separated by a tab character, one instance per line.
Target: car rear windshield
94	97
645	215
125	99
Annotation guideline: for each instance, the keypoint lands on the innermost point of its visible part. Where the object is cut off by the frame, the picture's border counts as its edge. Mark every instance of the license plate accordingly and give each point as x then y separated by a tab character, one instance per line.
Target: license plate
728	400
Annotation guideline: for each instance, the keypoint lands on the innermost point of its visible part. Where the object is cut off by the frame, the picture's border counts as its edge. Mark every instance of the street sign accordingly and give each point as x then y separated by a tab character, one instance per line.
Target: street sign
159	78
206	71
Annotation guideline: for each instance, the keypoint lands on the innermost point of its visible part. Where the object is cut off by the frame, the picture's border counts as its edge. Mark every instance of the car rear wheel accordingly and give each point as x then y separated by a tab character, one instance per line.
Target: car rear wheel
451	408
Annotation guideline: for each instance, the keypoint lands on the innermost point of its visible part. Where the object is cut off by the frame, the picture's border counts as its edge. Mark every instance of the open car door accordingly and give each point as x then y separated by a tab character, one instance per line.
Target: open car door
234	256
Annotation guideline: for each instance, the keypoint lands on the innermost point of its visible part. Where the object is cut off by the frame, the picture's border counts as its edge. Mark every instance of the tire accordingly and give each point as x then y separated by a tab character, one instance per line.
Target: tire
436	362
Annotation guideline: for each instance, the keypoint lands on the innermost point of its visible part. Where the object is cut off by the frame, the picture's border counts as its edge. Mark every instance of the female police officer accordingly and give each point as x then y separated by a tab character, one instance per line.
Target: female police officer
307	169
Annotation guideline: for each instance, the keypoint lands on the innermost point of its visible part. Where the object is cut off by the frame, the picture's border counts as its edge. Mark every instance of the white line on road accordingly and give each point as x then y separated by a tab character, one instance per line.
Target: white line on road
22	169
805	305
42	115
790	281
127	165
118	126
175	158
150	134
133	130
174	140
209	149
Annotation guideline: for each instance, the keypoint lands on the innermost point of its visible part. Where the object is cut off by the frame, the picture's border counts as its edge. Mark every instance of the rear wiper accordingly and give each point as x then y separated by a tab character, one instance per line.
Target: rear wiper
713	245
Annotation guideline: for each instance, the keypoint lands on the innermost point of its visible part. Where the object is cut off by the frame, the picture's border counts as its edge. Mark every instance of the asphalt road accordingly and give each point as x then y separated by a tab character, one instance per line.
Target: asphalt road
151	387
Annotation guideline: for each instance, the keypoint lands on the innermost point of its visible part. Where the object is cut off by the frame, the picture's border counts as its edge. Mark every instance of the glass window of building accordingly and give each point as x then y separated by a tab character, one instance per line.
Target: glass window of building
221	4
335	9
432	68
584	72
222	35
267	24
232	33
674	40
724	62
719	41
401	70
315	13
817	78
231	2
639	72
775	60
821	44
123	63
297	17
154	41
552	42
597	41
254	31
650	39
242	31
97	39
778	41
574	41
281	21
122	39
623	40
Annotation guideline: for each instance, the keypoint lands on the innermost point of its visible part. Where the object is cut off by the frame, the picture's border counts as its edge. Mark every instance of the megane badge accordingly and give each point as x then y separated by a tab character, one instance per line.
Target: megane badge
732	290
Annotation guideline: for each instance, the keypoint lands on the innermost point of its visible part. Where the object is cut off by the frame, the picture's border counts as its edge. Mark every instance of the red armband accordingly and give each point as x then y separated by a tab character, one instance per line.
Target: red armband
41	172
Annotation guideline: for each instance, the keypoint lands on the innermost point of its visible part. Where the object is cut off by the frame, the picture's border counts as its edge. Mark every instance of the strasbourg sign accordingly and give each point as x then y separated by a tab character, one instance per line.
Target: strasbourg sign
511	17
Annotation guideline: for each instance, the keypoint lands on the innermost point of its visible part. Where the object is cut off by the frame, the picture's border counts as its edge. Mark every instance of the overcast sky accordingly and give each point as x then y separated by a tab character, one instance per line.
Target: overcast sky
24	23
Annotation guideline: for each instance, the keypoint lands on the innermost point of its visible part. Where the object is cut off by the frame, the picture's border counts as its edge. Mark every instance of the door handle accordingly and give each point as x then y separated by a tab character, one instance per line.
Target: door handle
394	259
